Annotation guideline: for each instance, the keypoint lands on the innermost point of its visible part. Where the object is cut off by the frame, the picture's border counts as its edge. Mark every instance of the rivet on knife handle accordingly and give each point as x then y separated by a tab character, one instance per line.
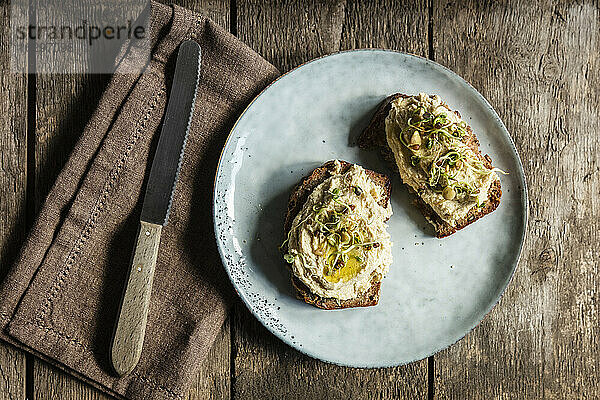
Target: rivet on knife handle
131	326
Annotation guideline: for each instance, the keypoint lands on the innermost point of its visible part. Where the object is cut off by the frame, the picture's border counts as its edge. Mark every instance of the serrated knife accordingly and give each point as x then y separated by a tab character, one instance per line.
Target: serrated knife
130	328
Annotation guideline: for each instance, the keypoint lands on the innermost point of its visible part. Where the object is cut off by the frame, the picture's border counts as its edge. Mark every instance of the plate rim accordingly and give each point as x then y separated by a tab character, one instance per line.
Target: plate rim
523	191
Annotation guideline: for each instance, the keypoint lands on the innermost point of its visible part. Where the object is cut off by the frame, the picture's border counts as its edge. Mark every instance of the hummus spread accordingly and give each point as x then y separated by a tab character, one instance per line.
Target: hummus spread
432	157
338	243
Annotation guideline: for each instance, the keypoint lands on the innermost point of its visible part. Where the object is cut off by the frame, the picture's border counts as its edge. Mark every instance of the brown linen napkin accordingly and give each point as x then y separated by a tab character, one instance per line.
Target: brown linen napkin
60	301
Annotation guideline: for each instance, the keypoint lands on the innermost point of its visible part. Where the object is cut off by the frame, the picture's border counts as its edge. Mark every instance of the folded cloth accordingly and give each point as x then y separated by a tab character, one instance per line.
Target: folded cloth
61	299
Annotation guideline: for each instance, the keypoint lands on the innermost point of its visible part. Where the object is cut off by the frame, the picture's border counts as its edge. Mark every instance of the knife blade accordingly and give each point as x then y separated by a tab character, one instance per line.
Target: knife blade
128	337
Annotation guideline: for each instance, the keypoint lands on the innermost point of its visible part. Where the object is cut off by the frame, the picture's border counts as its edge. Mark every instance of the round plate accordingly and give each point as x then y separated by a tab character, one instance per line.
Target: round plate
436	289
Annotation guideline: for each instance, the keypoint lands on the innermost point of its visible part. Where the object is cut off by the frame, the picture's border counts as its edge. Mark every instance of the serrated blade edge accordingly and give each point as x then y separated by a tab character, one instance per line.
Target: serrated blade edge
169	154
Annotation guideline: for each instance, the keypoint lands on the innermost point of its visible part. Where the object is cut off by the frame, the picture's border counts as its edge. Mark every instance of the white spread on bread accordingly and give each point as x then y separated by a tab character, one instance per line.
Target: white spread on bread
338	243
428	142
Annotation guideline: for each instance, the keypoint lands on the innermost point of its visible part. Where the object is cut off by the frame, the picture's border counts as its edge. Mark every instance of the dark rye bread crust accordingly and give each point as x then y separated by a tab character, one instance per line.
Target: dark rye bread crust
297	199
373	136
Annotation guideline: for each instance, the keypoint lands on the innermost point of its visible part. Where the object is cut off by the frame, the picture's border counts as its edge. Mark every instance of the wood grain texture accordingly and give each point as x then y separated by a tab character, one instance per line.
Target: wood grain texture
287	34
384	24
217	10
537	63
53	384
12	373
266	368
126	347
13	183
213	382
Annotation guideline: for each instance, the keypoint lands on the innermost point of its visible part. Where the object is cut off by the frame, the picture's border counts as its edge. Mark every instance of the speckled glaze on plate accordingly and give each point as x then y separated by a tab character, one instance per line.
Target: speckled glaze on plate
437	290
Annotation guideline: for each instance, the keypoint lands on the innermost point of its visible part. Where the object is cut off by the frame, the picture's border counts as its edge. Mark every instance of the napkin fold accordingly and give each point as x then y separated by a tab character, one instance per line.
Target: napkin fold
60	300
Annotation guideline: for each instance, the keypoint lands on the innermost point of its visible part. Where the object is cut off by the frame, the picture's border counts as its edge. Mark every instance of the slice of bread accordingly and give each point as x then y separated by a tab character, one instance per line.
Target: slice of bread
297	199
374	136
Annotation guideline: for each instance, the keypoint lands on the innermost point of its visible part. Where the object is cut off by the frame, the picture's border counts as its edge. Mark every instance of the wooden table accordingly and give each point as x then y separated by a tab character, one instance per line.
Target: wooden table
538	65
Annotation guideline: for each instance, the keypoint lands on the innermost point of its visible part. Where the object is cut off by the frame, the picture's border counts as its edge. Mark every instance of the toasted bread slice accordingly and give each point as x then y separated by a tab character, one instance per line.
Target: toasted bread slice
374	136
297	199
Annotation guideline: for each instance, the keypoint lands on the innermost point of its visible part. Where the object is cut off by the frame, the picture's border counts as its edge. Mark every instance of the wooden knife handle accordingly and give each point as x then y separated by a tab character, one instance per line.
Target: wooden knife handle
129	332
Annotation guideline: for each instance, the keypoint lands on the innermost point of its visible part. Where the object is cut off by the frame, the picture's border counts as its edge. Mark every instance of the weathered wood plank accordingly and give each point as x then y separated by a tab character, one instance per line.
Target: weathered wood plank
52	383
13	182
213	382
217	10
537	63
401	26
265	368
64	104
12	373
287	34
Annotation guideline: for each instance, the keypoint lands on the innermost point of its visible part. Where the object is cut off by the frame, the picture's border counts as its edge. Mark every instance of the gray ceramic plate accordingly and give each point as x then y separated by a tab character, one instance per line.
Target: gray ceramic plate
436	290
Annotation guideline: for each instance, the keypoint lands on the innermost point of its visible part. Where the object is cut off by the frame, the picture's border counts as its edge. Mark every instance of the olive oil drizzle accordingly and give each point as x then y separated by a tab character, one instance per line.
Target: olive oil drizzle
340	237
